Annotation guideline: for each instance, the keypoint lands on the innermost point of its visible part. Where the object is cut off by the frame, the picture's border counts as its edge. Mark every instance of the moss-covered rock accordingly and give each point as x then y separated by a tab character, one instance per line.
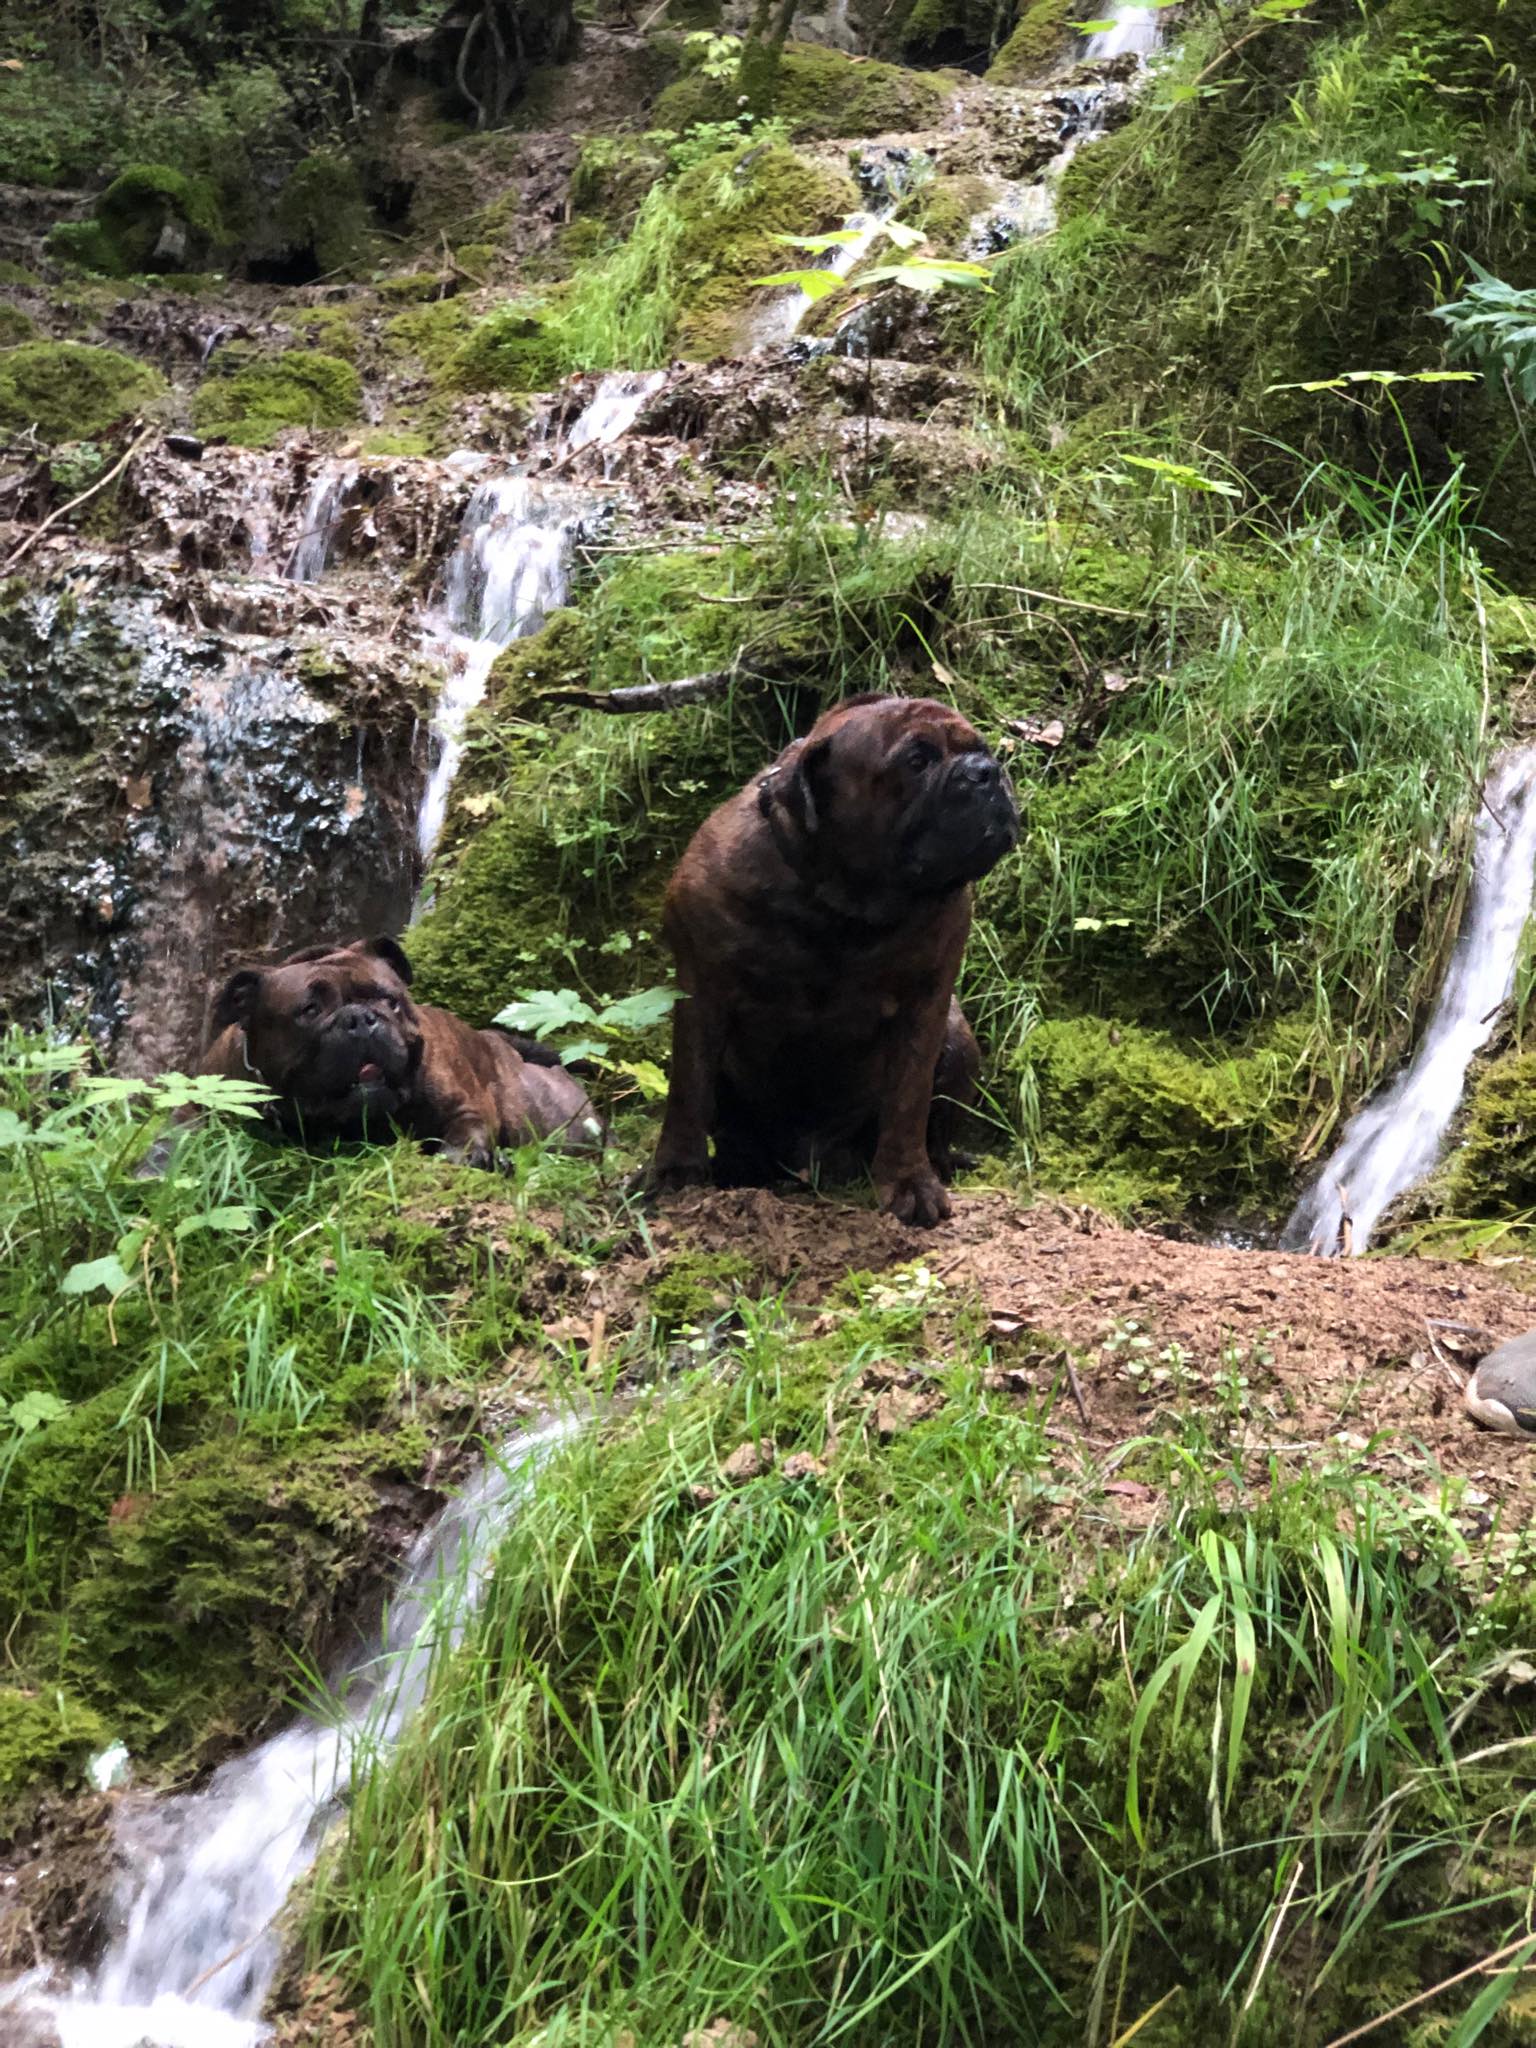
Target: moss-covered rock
1493	1172
1043	40
321	214
15	325
951	31
46	1737
150	218
820	93
1146	1125
513	349
613	175
69	391
250	398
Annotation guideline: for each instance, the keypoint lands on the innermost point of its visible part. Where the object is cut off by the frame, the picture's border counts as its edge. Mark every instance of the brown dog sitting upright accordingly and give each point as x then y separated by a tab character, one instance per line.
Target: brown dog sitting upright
332	1031
818	921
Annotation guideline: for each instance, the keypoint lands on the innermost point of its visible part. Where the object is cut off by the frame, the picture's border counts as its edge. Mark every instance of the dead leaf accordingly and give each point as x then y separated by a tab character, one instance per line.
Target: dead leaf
477	806
943	675
896	1412
1003	1327
749	1461
1114	682
1039	732
801	1465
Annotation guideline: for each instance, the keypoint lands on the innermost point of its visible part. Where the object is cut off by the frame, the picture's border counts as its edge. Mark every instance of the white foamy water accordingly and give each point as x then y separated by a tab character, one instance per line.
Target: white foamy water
1397	1137
1136	29
613	408
322	515
197	1941
510	570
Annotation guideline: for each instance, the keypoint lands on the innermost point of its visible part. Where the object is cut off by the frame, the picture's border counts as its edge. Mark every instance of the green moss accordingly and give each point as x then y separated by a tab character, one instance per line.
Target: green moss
946	207
1042	41
949	31
18	274
151	208
15	325
516	348
431	332
478	258
335	329
692	1287
613	175
413	287
1493	1173
1146	1125
250	398
385	441
70	391
45	1740
558	656
321	211
819	93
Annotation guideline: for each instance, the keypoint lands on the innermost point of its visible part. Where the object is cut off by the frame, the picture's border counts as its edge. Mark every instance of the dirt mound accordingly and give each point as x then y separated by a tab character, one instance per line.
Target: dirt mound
1297	1352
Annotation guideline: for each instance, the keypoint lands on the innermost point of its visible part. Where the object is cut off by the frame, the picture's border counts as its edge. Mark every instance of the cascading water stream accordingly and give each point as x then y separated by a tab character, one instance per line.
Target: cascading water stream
197	1942
1134	31
322	515
508	573
1397	1137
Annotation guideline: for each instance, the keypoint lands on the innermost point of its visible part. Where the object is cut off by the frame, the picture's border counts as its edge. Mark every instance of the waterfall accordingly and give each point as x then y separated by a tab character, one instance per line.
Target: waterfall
1135	30
509	571
1396	1138
328	497
778	319
209	1872
613	408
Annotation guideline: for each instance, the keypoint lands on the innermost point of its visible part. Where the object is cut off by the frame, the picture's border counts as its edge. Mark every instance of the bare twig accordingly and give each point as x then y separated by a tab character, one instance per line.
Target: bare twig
1076	604
648	696
90	491
1481	1969
1077	1393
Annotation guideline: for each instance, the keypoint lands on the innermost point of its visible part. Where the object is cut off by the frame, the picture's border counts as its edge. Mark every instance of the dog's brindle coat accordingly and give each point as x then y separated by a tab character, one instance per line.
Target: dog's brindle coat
333	1032
818	920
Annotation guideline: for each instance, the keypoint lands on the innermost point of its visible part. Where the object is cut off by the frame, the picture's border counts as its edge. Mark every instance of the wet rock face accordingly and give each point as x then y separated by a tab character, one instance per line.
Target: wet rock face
185	794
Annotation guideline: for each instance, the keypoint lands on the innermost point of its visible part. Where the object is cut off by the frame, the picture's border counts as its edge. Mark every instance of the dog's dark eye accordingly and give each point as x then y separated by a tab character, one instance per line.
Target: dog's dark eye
309	1007
922	754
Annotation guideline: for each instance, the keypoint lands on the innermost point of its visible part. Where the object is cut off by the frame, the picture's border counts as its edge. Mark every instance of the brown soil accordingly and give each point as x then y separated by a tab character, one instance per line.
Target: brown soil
1297	1354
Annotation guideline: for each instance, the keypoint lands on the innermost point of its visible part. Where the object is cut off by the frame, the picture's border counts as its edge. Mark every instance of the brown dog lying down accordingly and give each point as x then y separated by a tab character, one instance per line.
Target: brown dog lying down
332	1031
818	920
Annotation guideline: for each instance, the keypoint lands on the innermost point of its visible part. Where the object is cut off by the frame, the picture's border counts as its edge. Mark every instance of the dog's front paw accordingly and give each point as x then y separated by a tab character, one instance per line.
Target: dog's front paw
915	1198
671	1176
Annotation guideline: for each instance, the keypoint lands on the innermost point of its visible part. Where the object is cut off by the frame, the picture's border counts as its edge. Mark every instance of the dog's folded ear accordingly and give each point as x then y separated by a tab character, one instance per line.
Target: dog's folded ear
392	953
792	795
235	1001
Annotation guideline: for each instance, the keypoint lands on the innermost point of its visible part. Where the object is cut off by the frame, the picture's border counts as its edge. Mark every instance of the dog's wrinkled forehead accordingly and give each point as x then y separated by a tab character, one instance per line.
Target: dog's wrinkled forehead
355	974
866	734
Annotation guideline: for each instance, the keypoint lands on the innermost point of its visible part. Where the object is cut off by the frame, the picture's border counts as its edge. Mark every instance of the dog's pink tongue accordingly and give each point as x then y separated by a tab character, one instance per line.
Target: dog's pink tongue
369	1071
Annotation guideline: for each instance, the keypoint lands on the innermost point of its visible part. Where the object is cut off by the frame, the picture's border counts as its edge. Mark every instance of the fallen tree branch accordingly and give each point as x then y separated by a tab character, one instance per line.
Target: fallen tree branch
647	696
90	491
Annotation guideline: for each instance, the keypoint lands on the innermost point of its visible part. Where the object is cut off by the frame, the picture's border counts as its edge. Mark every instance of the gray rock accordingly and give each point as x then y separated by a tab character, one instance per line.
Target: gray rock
1502	1391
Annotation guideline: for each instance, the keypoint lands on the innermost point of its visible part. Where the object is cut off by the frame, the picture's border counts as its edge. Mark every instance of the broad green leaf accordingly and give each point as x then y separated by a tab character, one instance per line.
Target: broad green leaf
927	274
903	234
647	1006
838	238
210	1091
646	1075
12	1130
541	1009
584	1049
1094	28
232	1217
33	1410
1180	474
90	1274
816	284
110	1088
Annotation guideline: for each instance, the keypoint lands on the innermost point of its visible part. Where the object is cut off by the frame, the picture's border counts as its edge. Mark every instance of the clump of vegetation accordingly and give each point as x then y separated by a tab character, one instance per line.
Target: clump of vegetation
249	398
69	391
206	1377
46	1738
150	217
1042	39
816	92
1493	1171
860	1736
1146	1126
321	213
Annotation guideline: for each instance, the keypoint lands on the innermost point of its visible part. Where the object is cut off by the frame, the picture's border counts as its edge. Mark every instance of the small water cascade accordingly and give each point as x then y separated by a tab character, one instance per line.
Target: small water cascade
1397	1137
507	574
197	1940
1135	31
328	498
617	403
